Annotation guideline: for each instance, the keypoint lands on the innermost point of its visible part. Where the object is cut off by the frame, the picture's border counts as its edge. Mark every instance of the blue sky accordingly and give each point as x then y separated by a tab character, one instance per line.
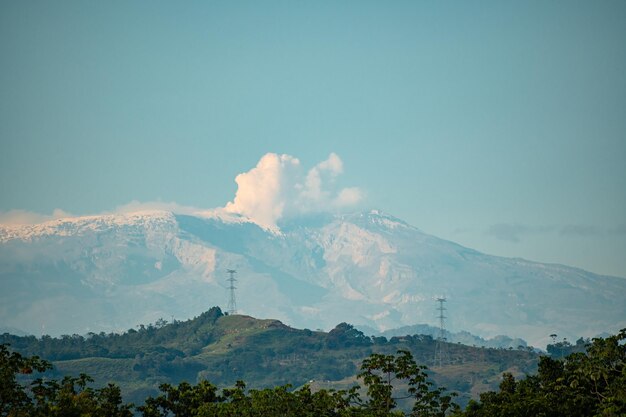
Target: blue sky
499	125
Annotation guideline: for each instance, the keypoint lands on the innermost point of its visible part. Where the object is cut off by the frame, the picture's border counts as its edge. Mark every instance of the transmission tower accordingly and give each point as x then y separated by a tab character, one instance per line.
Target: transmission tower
232	303
441	348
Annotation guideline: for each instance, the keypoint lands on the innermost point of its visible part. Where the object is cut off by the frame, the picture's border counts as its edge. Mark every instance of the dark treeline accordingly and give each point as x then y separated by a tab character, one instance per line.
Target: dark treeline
186	336
589	383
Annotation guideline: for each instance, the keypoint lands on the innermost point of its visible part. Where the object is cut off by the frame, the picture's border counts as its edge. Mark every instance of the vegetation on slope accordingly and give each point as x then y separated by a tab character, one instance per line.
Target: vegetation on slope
224	349
592	383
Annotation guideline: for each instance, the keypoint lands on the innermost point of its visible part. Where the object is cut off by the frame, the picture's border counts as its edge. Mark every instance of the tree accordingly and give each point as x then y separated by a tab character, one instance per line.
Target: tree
344	335
592	383
182	401
14	399
72	397
390	378
50	398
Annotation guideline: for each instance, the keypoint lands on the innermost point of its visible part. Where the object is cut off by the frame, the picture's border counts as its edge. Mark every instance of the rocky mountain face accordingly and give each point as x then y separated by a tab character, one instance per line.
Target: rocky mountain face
113	272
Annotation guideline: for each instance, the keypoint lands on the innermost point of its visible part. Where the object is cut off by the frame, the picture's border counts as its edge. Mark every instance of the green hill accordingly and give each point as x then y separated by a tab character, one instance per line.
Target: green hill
263	353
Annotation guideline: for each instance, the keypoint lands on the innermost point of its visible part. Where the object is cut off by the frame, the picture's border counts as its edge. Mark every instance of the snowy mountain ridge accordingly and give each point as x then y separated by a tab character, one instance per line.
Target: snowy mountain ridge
76	225
112	272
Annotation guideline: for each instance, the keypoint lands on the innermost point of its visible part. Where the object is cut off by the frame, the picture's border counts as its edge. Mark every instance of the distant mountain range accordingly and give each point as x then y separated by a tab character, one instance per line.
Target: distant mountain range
112	272
462	337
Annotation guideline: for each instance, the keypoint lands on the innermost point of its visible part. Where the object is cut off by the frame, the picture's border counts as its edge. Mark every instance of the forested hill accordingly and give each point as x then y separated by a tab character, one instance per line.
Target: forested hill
264	353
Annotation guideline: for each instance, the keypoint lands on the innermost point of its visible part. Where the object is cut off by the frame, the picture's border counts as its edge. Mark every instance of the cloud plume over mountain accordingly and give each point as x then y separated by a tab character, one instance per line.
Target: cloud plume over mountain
276	188
279	187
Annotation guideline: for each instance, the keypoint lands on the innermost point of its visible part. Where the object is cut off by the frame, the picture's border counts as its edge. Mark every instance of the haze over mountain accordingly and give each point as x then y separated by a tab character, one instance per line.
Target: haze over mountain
500	128
112	272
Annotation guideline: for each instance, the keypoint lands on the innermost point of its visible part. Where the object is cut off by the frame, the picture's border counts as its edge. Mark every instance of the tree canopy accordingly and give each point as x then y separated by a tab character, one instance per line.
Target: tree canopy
590	383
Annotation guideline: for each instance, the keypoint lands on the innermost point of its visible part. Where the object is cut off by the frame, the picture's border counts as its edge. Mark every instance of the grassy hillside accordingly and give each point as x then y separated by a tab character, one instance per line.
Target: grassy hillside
263	353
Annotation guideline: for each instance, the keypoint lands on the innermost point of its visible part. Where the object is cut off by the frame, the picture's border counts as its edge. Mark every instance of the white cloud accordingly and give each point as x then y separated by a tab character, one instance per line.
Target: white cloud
348	197
278	187
262	191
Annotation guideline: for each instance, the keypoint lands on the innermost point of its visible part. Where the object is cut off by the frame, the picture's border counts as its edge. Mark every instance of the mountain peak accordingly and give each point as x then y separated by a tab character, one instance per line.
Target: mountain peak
381	218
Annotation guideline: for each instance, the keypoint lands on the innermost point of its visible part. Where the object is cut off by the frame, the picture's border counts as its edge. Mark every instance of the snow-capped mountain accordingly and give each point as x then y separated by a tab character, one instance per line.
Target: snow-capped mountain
113	272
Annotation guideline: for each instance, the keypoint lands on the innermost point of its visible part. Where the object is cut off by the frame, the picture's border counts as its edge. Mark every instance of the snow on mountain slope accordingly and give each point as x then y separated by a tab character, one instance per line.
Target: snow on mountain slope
107	273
